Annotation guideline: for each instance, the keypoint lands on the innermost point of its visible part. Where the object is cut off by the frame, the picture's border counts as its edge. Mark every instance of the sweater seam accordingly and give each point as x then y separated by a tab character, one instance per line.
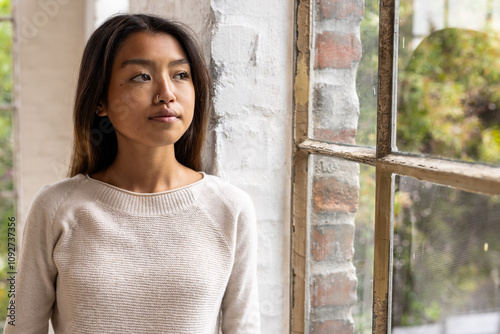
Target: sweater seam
114	209
235	214
65	197
217	227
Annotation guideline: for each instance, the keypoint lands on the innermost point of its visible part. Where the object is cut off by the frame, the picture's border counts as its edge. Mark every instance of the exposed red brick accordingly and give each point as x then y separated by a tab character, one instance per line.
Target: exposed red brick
345	136
335	50
332	327
341	9
333	290
330	195
332	241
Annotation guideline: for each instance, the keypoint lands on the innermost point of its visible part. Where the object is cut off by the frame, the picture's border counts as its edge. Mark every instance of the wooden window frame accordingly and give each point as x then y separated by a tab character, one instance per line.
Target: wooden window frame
473	177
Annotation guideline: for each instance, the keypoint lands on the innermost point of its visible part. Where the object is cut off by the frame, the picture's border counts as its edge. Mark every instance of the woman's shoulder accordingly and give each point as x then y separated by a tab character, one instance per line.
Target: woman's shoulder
229	206
227	192
51	195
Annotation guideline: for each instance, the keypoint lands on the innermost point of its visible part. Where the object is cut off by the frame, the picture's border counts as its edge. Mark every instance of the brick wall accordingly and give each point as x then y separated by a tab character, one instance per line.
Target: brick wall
335	183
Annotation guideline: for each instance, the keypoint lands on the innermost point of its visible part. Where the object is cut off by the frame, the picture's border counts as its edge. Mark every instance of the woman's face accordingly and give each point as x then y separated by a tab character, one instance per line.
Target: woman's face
151	96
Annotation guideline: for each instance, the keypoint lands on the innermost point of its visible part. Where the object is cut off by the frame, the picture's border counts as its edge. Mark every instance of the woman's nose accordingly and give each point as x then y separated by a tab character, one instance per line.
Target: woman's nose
165	93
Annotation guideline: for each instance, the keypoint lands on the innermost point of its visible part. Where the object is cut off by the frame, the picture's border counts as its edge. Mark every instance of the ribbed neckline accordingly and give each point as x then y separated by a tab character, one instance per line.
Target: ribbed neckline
144	204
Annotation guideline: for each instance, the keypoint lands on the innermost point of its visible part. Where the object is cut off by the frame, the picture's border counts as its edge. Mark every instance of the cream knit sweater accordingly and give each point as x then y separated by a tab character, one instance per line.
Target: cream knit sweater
100	259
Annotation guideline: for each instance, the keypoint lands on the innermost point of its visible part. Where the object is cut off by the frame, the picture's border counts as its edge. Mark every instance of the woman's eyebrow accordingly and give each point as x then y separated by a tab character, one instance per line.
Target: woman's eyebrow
177	62
149	63
137	61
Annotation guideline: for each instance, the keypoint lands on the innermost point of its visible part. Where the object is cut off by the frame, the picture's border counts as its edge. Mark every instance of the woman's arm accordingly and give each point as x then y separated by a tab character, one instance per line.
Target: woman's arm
33	299
240	306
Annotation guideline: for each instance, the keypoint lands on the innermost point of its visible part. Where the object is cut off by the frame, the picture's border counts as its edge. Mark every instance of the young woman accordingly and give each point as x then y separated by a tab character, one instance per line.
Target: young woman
138	240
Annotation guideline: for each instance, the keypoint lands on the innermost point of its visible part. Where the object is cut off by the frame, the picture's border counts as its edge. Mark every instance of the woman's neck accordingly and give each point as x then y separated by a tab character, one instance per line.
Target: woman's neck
147	171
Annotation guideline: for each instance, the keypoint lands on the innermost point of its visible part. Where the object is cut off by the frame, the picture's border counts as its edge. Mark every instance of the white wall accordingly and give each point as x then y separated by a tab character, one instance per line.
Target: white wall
50	38
197	14
252	51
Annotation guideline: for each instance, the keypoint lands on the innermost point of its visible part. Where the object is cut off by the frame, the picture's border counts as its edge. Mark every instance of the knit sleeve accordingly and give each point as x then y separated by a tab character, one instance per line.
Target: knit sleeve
240	306
34	294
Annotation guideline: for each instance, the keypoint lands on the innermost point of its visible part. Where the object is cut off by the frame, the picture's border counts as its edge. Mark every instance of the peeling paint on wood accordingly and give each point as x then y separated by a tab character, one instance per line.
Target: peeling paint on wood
300	164
301	85
385	73
462	175
363	155
382	250
380	314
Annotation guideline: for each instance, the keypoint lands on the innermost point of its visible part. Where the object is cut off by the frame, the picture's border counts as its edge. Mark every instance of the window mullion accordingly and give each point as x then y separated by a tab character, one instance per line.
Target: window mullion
476	178
299	229
387	73
382	272
365	155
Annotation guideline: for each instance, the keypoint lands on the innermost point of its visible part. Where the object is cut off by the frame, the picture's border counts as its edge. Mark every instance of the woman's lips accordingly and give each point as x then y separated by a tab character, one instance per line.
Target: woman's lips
164	119
165	116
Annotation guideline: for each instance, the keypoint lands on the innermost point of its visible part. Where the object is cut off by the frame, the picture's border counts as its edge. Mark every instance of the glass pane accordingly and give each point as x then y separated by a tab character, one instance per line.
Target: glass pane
5	8
367	76
446	270
6	212
6	153
344	79
364	250
340	266
6	81
448	84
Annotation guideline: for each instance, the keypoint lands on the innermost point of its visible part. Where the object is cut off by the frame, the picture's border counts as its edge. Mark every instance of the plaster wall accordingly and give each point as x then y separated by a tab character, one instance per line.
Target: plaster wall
197	14
252	50
48	57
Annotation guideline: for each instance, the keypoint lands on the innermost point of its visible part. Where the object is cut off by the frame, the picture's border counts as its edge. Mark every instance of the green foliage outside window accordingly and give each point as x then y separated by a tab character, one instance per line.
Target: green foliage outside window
448	106
448	99
5	8
449	102
5	55
7	205
367	76
446	253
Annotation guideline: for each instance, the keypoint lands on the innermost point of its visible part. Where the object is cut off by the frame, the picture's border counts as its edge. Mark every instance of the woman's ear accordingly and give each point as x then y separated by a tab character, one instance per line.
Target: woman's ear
101	110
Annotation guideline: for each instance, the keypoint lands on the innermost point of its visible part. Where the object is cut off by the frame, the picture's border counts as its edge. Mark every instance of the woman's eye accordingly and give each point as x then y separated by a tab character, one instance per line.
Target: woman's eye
182	76
142	77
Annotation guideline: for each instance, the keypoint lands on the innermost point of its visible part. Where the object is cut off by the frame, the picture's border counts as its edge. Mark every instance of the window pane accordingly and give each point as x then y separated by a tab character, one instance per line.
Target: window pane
446	270
5	8
448	84
6	154
6	81
340	266
6	211
364	250
367	76
344	79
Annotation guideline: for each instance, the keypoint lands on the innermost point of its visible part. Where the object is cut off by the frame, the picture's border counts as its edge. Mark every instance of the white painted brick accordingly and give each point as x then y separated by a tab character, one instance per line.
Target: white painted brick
235	46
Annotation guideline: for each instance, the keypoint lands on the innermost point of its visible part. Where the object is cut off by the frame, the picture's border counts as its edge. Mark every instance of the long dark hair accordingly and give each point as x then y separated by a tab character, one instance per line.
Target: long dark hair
95	143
